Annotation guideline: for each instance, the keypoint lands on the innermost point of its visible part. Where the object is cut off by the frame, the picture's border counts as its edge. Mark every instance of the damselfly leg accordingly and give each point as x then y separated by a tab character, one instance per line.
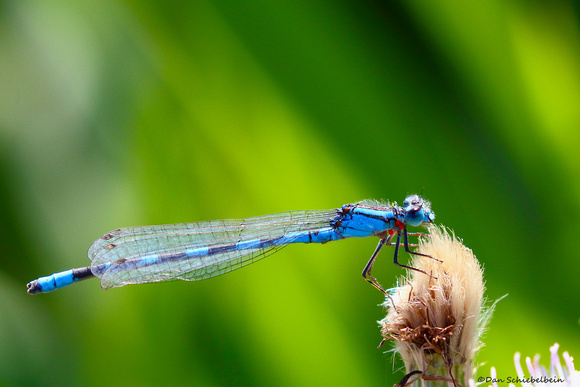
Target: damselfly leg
387	241
413	234
369	266
406	245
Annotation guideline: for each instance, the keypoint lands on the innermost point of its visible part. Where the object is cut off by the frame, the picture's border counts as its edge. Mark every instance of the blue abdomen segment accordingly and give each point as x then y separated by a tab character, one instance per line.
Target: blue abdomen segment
58	280
55	281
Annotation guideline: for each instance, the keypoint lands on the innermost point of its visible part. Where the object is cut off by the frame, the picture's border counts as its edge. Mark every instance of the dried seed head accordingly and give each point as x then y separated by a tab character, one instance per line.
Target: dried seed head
436	320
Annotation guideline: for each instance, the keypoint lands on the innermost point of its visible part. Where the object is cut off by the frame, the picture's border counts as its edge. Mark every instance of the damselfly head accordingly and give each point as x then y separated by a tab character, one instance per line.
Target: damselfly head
417	211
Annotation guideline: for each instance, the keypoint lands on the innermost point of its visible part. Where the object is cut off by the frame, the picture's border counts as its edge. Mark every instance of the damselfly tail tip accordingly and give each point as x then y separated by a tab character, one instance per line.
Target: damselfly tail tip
33	287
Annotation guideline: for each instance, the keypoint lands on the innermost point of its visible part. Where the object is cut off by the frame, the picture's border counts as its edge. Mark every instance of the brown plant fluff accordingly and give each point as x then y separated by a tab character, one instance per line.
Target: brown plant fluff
436	321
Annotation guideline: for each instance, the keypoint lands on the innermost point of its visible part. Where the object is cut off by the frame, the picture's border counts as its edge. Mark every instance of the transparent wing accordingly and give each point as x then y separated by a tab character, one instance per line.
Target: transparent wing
117	257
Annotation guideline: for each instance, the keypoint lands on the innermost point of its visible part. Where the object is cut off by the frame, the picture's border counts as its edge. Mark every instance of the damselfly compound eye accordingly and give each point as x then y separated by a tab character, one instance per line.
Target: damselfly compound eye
412	201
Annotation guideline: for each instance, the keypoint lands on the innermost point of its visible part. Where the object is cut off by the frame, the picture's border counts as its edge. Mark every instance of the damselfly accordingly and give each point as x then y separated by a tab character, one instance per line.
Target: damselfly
201	250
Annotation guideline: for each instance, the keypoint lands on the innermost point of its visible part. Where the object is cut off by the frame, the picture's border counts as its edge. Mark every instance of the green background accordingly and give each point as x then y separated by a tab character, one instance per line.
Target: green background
128	113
